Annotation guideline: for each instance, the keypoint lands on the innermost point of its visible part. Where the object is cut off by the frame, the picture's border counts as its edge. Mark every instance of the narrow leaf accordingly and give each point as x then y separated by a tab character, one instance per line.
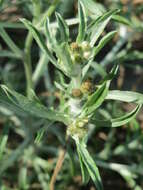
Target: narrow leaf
111	75
90	165
98	97
63	53
94	8
10	43
13	25
99	26
121	19
39	40
48	33
117	122
3	140
125	96
31	106
5	53
64	30
84	172
95	100
103	42
86	68
82	23
96	50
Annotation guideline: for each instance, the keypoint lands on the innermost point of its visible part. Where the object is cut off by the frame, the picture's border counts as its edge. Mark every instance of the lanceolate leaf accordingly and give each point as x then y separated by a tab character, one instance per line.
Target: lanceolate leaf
6	53
98	97
121	19
62	52
82	23
99	26
86	68
97	49
125	96
118	121
103	42
111	75
51	40
32	107
85	174
10	43
10	107
64	30
93	8
90	164
39	40
3	140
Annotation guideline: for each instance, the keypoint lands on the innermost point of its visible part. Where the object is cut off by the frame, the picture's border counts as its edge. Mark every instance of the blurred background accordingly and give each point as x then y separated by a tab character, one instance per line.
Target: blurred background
28	164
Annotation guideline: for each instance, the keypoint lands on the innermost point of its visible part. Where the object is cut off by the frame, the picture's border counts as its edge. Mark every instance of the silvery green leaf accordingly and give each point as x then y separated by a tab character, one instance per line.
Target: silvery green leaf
98	97
59	86
95	100
121	19
32	107
125	96
94	9
39	40
97	49
62	52
90	164
3	140
63	28
117	122
103	42
98	27
85	174
10	43
49	36
82	23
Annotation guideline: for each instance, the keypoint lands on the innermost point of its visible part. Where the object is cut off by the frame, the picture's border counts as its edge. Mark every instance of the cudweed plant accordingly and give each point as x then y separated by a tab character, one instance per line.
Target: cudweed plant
80	98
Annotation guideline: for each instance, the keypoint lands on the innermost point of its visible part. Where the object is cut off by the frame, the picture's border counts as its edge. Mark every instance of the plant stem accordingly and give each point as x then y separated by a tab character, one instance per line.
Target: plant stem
57	168
43	59
27	63
29	39
48	12
27	50
40	68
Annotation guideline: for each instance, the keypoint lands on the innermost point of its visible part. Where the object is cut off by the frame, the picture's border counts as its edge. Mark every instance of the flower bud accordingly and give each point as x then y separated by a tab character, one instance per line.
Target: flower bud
77	58
86	86
85	46
75	47
76	93
86	55
77	129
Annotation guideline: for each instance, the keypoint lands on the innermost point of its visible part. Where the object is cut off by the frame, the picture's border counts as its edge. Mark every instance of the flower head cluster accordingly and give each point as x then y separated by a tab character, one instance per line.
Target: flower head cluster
80	52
